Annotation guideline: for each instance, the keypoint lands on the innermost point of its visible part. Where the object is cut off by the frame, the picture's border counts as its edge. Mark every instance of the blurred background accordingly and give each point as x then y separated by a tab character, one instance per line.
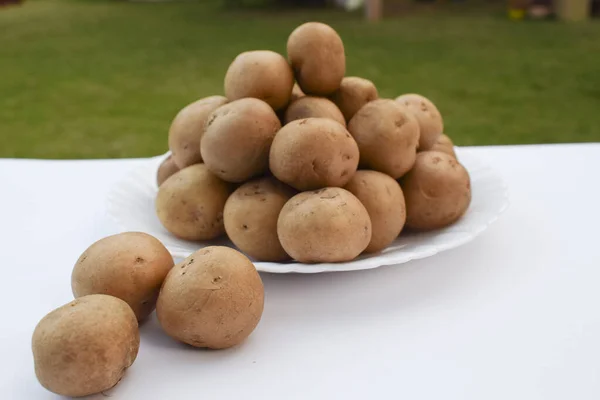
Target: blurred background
104	78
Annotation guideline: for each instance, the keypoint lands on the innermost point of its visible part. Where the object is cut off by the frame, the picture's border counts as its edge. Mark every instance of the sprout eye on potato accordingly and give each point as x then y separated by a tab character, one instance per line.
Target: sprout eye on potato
429	118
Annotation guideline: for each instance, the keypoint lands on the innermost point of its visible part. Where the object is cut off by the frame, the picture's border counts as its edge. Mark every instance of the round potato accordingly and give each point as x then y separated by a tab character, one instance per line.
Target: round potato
383	198
187	129
313	107
437	191
296	93
238	136
190	203
429	118
213	299
262	74
325	225
445	145
130	266
387	136
313	153
317	55
165	170
85	346
353	94
250	217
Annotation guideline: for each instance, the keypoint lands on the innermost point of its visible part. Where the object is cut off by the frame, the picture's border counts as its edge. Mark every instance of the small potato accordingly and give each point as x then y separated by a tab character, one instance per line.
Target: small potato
238	136
85	346
429	118
387	137
325	225
313	107
187	129
296	93
262	74
445	145
130	266
353	94
250	217
437	191
165	170
190	203
213	299
317	55
313	153
383	198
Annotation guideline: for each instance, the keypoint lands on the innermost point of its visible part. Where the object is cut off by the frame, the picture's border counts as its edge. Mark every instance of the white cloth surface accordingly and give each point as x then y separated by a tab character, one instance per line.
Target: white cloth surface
515	314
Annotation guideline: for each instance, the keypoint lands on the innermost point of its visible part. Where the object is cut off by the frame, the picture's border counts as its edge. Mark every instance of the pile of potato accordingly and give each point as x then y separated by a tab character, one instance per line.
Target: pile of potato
299	162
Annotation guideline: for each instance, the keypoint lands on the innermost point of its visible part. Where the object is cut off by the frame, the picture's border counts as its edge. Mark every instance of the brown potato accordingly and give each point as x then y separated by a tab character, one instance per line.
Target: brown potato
213	299
317	55
130	266
313	107
325	225
445	145
190	203
387	137
262	74
296	93
238	136
166	169
313	153
187	129
383	198
437	191
353	94
250	217
85	346
429	118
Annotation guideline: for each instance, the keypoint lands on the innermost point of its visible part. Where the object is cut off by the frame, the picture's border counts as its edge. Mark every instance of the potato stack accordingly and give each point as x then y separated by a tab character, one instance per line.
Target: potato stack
299	162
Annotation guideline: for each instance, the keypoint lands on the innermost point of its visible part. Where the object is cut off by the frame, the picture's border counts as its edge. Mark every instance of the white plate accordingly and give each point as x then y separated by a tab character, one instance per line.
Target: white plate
131	204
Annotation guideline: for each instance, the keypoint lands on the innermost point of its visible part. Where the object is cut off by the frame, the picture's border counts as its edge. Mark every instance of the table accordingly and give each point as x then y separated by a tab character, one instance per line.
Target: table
514	314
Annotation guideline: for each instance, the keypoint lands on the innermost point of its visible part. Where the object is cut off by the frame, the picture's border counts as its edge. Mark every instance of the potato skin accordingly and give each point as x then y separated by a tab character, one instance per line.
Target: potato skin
187	129
85	346
190	203
313	153
165	170
213	299
431	124
237	139
262	74
296	93
250	217
445	145
383	198
317	55
325	225
353	94
437	191
387	137
313	107
130	266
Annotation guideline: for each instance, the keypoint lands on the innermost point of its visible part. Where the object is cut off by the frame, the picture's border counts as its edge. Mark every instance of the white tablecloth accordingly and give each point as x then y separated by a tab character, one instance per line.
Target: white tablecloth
513	315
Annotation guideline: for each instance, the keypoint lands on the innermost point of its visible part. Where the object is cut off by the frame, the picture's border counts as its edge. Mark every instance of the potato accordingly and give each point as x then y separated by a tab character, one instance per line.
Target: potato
250	217
296	93
445	145
317	55
190	203
165	170
262	74
313	153
387	136
238	136
313	107
213	299
429	118
353	94
85	346
187	129
437	191
383	198
130	266
325	225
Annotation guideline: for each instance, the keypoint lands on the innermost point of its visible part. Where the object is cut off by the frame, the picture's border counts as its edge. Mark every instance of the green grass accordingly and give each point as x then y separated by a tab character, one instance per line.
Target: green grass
103	78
